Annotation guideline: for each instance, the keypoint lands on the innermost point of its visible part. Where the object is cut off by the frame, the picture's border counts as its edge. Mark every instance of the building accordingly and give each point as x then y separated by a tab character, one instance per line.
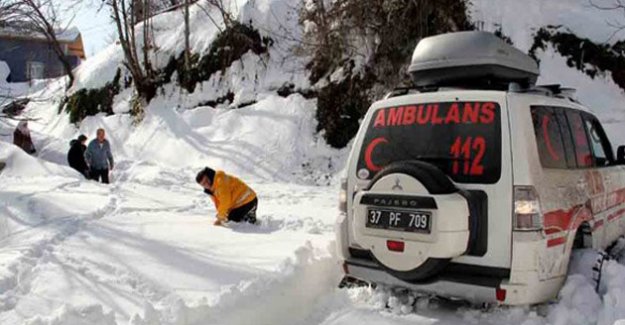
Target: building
30	55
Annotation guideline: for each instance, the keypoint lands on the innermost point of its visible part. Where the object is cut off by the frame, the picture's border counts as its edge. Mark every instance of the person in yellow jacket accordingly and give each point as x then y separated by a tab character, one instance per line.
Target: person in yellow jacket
234	200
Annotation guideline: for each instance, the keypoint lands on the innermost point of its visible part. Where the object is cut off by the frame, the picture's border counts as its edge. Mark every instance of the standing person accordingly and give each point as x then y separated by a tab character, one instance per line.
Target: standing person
21	138
76	155
234	200
99	157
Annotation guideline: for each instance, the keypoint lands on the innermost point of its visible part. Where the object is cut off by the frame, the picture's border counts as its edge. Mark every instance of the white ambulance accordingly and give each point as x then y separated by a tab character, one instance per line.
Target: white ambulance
477	183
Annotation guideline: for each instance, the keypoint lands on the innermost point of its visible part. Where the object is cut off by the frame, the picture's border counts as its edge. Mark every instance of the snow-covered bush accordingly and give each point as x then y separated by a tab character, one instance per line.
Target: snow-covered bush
89	102
583	54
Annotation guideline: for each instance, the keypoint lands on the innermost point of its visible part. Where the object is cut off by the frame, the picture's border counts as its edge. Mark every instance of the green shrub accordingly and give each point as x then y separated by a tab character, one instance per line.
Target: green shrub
89	102
340	107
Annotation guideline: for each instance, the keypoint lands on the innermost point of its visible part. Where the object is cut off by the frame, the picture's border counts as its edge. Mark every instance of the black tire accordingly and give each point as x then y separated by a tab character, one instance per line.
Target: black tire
436	182
583	237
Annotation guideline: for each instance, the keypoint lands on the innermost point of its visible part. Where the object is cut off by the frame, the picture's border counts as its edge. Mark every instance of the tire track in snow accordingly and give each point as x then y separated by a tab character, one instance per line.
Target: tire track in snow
144	287
22	271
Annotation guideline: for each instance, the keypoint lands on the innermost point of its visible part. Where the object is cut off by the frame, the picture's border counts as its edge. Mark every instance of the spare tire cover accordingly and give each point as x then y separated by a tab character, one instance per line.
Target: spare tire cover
425	255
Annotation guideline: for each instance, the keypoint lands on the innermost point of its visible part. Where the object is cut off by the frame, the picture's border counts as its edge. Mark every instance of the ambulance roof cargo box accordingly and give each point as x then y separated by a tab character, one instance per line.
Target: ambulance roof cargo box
470	60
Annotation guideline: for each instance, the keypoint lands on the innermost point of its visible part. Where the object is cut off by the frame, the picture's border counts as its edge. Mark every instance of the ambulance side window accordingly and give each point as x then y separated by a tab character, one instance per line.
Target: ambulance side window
567	138
602	151
583	153
549	140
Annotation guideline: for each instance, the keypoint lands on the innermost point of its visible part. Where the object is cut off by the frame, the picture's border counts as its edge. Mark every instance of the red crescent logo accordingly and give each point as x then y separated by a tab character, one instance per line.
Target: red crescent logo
368	160
550	149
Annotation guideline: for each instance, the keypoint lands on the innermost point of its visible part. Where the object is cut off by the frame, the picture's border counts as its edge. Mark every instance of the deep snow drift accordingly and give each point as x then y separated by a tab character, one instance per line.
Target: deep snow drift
143	250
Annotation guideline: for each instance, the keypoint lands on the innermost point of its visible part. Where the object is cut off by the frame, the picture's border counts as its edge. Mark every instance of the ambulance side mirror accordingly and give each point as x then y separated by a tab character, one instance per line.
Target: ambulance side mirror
620	155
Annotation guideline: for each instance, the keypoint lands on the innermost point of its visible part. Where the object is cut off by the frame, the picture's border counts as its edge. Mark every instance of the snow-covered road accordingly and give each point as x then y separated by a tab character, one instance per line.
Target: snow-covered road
143	251
147	240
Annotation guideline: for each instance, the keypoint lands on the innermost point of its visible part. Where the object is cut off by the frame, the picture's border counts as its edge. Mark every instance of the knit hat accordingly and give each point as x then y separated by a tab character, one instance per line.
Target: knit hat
82	138
208	172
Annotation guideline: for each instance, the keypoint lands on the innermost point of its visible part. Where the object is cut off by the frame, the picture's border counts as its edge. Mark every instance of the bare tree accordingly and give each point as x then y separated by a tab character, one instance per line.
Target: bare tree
9	12
43	17
123	15
611	5
224	11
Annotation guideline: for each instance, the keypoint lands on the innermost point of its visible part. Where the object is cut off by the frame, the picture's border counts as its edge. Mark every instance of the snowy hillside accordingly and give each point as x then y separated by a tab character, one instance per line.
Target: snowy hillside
521	19
143	250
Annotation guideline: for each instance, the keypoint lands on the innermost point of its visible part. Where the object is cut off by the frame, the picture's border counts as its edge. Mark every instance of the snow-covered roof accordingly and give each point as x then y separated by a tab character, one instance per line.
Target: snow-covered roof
67	35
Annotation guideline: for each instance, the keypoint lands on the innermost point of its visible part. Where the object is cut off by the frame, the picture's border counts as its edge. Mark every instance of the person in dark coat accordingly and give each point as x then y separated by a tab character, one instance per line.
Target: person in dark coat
21	138
76	155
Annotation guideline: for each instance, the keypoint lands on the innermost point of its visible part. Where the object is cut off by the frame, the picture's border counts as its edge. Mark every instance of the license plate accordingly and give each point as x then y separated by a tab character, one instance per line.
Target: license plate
413	221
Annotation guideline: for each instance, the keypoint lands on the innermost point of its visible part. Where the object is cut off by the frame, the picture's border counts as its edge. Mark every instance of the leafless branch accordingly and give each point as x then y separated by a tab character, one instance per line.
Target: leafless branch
208	14
611	5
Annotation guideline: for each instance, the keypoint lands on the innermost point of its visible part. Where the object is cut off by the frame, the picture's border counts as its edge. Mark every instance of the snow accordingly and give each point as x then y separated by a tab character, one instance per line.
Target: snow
143	250
248	77
5	71
67	35
147	240
68	315
520	19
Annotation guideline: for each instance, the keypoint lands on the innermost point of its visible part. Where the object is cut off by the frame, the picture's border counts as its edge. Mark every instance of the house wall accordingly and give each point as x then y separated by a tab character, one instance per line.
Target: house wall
18	52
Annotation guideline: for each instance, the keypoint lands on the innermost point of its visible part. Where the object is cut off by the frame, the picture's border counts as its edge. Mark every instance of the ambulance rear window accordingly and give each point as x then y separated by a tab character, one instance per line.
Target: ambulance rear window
463	139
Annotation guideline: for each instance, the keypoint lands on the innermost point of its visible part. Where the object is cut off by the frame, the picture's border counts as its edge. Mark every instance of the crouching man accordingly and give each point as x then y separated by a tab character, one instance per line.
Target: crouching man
234	200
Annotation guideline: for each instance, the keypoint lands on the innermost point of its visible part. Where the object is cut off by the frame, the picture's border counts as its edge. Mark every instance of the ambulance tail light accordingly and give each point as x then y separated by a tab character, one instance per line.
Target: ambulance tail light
527	212
500	294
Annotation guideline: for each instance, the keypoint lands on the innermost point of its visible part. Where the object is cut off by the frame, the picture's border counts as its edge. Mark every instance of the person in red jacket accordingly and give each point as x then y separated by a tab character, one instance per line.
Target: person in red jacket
234	200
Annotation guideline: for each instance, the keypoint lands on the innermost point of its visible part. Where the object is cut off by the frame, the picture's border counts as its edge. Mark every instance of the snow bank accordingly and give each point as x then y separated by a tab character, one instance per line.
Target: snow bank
69	315
520	19
286	298
21	164
273	139
579	302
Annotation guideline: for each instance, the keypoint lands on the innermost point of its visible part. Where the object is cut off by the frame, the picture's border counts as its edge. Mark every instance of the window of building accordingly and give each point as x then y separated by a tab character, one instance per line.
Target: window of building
35	70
